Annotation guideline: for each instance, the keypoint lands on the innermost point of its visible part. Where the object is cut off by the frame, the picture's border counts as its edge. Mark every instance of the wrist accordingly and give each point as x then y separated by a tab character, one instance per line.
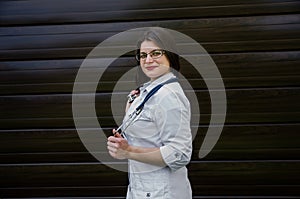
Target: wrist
128	153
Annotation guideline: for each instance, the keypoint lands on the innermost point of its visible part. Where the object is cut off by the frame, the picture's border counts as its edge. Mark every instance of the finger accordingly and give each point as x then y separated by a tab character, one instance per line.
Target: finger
112	149
115	132
133	92
113	144
118	135
113	139
112	154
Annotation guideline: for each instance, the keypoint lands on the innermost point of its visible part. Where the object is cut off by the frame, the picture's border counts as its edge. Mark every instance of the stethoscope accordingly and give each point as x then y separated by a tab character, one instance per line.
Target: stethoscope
132	116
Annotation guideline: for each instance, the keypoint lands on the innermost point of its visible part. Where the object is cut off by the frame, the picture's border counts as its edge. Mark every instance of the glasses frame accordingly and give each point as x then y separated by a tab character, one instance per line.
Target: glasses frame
138	56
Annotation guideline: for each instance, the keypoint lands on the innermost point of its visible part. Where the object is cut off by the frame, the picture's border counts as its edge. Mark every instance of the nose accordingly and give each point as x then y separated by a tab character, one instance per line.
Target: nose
148	58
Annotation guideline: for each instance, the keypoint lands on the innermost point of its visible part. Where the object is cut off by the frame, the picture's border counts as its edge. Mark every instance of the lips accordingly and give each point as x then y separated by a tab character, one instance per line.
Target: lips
151	67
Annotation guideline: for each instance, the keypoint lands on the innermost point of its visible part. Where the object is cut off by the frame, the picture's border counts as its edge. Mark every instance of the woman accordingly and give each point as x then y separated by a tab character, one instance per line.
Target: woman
158	142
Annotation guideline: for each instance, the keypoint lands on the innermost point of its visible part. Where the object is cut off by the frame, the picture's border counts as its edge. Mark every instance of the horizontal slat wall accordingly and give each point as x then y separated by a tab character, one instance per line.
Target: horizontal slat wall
254	44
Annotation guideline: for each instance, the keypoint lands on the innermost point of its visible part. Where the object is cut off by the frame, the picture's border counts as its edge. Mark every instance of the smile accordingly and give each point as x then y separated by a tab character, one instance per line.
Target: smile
151	67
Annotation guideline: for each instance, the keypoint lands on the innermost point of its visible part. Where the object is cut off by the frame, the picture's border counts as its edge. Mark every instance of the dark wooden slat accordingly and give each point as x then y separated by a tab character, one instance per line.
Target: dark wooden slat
281	174
62	6
150	14
246	82
246	191
246	173
246	142
105	122
41	54
57	64
237	142
86	192
37	123
290	153
179	25
225	34
55	175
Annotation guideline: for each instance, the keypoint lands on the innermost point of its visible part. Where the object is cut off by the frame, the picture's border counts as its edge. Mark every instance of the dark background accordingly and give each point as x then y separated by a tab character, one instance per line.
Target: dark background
255	45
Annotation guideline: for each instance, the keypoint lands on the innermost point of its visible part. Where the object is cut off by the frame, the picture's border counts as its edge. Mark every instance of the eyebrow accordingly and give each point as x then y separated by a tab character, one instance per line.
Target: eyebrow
151	50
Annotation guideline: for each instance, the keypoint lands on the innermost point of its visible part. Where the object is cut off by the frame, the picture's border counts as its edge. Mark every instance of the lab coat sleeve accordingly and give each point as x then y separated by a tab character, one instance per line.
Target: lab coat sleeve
173	120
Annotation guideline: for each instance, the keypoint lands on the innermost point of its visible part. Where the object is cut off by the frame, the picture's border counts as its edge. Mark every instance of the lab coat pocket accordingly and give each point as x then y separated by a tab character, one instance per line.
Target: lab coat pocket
149	190
145	124
145	116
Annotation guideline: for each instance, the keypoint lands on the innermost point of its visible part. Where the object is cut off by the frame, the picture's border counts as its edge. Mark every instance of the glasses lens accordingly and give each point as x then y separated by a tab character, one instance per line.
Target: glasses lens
156	54
143	55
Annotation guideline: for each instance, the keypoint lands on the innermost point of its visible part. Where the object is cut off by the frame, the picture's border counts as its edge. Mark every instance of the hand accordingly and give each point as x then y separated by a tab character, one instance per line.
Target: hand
117	146
135	92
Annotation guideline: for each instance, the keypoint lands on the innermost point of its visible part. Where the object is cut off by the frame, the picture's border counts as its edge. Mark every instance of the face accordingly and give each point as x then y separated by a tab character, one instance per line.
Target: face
153	68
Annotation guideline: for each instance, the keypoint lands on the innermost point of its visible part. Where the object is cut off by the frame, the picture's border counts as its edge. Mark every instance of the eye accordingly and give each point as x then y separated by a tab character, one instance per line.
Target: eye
156	53
143	55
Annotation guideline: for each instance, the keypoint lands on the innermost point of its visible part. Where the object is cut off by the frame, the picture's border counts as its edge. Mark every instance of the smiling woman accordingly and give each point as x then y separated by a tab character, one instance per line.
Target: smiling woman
158	143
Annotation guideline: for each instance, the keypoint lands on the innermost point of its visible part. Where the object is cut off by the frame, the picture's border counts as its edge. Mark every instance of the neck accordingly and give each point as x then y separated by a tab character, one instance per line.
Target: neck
155	78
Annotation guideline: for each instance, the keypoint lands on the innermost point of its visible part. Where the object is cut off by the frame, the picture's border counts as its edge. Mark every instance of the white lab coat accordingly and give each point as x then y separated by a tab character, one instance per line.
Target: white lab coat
165	123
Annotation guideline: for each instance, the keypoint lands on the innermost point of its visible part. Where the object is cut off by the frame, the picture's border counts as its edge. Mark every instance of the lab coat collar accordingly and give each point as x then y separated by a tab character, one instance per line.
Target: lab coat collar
150	85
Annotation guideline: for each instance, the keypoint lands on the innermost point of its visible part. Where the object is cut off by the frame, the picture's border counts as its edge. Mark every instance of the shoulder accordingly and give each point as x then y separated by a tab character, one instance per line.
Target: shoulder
172	95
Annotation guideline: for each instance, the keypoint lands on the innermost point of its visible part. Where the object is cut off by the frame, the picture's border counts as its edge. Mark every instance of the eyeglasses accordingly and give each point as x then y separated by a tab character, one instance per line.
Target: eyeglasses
154	54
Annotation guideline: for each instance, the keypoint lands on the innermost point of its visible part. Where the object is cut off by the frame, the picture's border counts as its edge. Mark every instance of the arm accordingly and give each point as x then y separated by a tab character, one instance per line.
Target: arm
173	118
119	148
